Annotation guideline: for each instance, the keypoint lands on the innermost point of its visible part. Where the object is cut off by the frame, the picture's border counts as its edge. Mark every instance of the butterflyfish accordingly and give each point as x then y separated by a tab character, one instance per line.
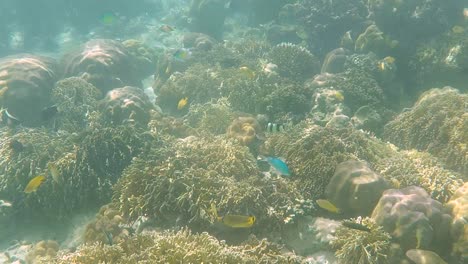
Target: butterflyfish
34	184
327	205
182	103
234	221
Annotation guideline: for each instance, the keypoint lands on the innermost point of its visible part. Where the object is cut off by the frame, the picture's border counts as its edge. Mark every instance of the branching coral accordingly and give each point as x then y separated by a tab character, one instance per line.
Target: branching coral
213	117
180	247
437	123
294	61
182	181
75	99
407	168
356	246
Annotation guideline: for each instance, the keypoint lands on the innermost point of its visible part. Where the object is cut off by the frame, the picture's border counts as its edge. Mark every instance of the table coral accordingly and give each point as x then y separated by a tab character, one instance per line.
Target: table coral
26	79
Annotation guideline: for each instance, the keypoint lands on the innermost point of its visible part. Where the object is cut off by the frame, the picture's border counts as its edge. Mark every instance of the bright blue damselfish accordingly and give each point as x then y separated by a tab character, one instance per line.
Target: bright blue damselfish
279	166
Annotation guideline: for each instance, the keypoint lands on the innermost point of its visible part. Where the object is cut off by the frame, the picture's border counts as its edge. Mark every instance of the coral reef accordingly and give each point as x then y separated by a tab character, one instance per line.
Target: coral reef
198	41
294	61
26	79
437	123
45	250
413	219
105	63
126	105
374	40
144	58
355	188
458	206
178	247
335	60
356	246
75	99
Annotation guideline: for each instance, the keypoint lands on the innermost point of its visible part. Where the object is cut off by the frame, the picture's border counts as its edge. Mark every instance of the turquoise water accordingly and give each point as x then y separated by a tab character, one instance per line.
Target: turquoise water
222	131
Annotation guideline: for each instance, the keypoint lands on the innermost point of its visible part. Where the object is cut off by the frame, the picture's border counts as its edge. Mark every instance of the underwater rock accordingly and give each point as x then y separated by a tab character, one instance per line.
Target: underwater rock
105	63
26	80
355	188
413	219
126	105
438	124
458	206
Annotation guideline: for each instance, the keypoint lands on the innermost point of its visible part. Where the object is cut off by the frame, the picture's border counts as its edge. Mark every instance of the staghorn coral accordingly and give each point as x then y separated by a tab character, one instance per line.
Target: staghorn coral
438	124
45	250
458	206
26	79
407	168
294	61
126	105
178	247
106	228
19	166
75	99
180	180
356	246
413	219
104	63
355	188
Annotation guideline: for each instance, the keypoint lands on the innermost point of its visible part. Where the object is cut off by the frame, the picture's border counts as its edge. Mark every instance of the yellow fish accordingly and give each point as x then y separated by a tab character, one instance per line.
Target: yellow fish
327	205
247	72
234	221
389	59
182	103
54	172
34	183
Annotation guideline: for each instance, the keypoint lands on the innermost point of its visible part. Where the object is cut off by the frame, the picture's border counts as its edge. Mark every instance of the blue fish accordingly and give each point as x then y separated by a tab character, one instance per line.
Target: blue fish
279	166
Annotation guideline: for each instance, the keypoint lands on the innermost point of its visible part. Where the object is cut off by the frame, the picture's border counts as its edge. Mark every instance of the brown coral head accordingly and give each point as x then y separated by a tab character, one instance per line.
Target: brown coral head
245	129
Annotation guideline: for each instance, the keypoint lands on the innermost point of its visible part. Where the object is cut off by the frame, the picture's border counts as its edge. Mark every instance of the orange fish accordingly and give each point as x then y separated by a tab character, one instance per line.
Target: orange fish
182	103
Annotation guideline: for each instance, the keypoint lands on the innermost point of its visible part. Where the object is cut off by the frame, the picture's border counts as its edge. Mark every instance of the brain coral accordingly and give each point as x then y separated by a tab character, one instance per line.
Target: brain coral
104	63
413	218
355	188
26	80
438	124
